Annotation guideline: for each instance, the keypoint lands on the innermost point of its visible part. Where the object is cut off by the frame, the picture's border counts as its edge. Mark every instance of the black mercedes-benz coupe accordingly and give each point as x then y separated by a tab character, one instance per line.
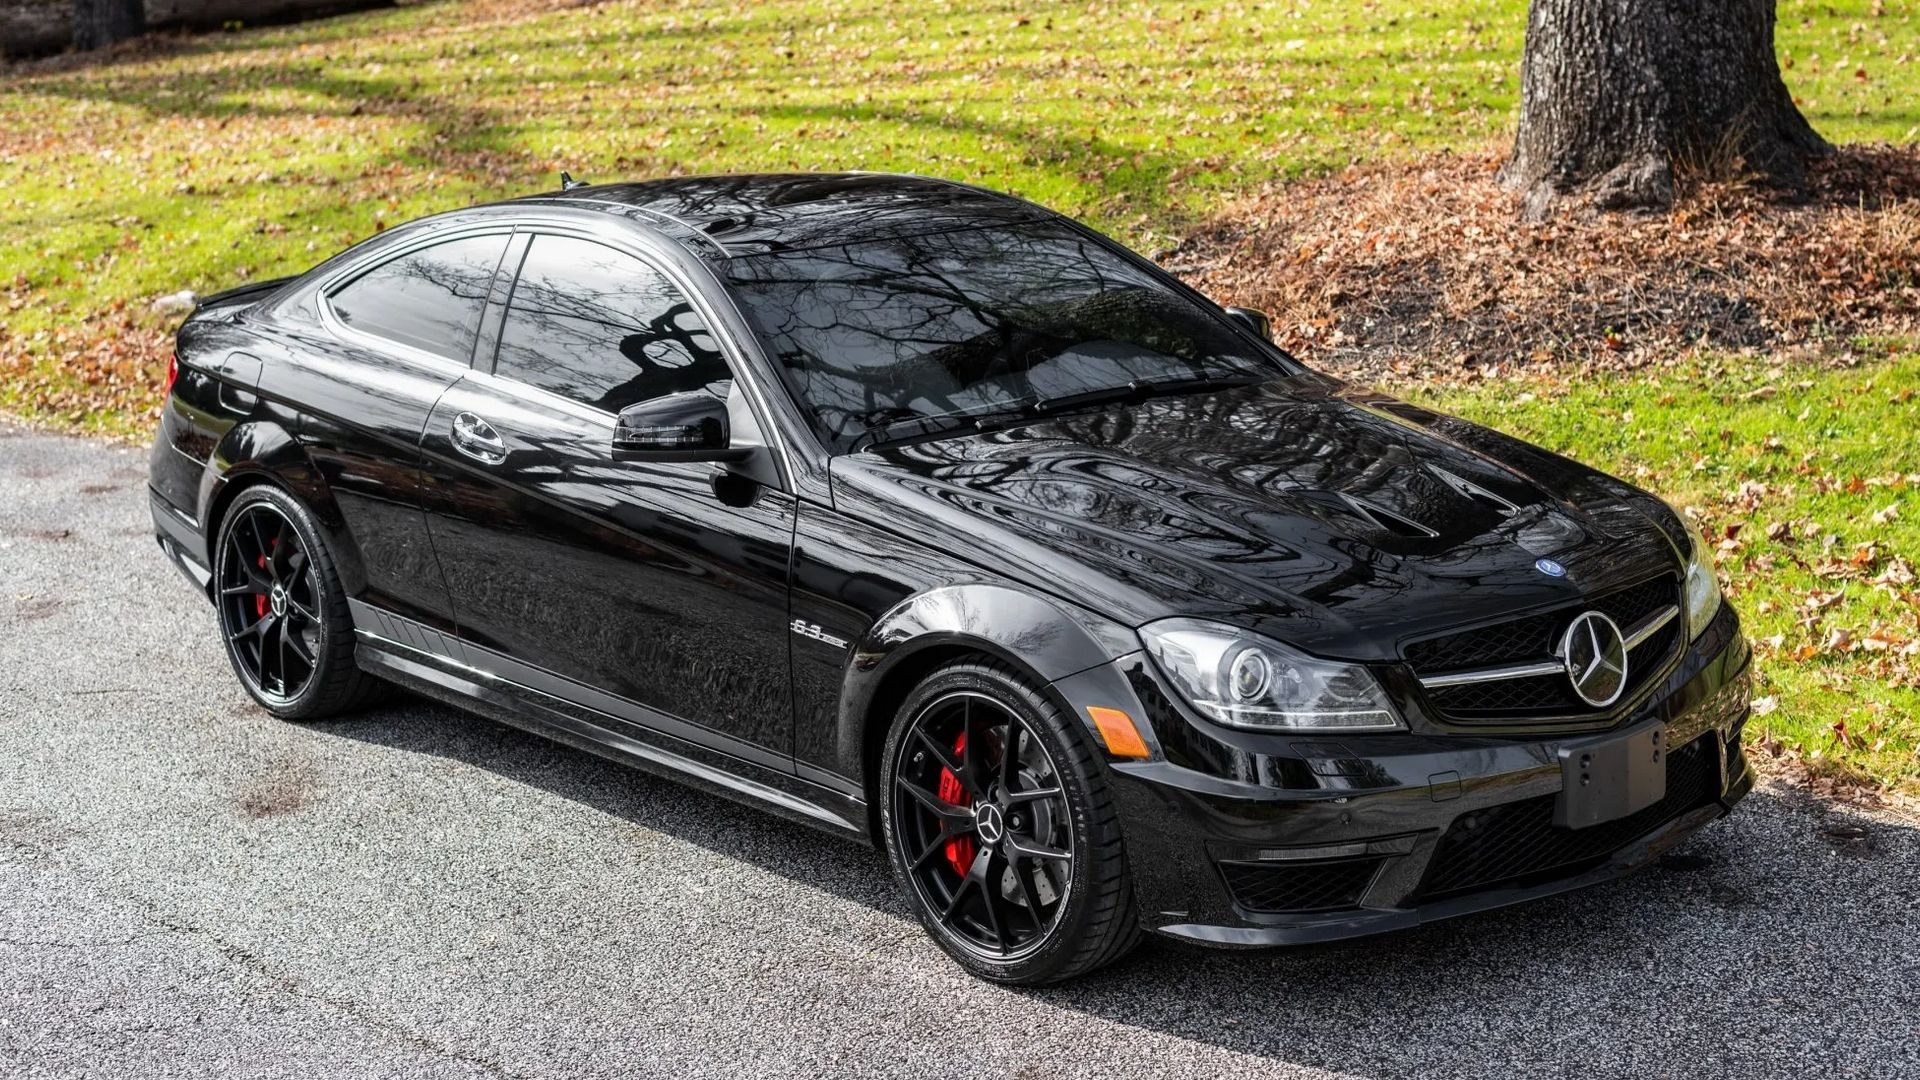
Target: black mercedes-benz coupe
926	516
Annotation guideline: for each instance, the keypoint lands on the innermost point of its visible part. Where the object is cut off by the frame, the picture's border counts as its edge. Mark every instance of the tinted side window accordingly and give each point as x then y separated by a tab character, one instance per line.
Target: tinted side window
430	299
603	328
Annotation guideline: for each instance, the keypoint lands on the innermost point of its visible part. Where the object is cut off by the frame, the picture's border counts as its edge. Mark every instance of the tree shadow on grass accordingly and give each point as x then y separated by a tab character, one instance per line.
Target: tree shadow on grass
482	127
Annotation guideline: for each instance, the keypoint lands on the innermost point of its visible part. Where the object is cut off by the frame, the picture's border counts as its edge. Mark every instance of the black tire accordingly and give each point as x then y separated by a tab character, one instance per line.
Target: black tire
1053	924
279	601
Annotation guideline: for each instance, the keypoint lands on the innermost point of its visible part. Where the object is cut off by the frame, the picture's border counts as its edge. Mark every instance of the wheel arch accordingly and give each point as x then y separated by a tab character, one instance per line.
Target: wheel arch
265	452
1040	638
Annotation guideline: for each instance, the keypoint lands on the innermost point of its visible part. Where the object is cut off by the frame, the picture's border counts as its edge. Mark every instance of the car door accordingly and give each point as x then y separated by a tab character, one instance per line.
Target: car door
653	592
377	345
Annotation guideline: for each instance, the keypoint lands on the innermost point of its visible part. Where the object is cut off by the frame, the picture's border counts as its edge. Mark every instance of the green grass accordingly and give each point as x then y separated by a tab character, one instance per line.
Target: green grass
257	153
246	155
1829	598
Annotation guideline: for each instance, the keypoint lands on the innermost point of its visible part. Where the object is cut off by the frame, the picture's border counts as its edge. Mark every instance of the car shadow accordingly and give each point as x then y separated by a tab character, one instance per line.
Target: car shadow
1792	918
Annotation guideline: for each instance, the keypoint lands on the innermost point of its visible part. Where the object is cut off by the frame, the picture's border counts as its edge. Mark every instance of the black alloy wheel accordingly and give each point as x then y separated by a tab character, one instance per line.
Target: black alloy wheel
268	605
980	803
282	612
1000	828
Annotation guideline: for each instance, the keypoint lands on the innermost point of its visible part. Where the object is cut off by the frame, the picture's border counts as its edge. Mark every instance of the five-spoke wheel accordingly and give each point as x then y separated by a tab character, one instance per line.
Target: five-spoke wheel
979	802
282	611
998	820
268	602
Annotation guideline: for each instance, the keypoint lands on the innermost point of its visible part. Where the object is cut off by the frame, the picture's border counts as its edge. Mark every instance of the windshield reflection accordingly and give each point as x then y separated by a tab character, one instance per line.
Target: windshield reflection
920	334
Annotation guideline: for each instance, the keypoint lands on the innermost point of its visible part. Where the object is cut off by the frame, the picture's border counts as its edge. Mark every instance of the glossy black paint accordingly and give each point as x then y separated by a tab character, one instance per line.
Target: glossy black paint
691	425
750	625
745	215
628	577
1326	516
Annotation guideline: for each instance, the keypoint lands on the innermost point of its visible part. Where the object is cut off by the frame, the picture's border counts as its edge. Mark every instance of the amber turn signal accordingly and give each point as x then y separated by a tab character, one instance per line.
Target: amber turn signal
1118	729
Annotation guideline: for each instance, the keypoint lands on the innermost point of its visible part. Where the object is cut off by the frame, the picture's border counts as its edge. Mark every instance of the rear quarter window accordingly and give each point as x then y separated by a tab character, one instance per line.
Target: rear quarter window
429	298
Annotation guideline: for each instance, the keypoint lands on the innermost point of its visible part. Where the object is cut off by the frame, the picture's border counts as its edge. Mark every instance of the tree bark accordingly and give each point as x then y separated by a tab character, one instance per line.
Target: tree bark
99	23
1615	95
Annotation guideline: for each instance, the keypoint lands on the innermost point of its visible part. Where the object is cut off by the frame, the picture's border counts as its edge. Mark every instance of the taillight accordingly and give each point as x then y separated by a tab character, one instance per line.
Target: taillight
173	370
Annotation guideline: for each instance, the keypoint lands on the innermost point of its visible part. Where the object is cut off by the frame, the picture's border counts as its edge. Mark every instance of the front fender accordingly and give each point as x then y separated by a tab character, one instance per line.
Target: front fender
1045	639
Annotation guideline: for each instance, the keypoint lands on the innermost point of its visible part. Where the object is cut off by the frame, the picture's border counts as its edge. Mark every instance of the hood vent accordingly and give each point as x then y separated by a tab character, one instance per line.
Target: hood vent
1388	520
1474	491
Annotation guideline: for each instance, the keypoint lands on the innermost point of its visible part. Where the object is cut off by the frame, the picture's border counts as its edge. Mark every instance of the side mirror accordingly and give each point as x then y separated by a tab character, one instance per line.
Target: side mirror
688	426
1255	321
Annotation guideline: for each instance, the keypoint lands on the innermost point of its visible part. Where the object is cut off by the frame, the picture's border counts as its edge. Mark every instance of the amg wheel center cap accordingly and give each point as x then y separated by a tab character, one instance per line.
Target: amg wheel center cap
278	598
1595	654
990	823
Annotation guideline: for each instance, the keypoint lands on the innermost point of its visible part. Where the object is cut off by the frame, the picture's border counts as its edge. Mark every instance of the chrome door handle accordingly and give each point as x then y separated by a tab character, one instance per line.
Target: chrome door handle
476	438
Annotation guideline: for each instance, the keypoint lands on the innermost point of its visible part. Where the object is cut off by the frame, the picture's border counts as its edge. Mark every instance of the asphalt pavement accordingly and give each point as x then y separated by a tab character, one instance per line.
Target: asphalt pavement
189	887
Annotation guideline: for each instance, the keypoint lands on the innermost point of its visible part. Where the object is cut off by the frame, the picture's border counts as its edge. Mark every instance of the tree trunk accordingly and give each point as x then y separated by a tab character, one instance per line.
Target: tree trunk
99	23
1617	94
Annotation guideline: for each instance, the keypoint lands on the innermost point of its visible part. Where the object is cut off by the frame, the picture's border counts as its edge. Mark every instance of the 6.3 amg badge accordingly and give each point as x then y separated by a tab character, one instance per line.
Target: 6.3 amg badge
812	630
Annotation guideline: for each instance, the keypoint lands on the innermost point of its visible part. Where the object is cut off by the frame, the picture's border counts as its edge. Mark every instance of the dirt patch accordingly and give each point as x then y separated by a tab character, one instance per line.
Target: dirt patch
36	608
1424	269
52	535
98	489
282	788
25	832
1851	839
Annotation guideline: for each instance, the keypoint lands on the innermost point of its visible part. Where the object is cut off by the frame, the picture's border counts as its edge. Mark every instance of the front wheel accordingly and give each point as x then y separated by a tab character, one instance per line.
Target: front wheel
997	817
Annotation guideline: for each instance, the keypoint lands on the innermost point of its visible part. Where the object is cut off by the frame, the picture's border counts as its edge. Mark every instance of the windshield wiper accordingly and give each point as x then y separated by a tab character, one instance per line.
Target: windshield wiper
980	417
1141	389
913	427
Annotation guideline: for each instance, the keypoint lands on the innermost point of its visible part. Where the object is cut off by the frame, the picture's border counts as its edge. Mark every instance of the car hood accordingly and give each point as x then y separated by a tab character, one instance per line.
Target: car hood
1333	517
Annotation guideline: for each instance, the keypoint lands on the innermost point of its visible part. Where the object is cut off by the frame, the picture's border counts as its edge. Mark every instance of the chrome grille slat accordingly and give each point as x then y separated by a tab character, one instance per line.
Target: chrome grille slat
1510	673
1635	637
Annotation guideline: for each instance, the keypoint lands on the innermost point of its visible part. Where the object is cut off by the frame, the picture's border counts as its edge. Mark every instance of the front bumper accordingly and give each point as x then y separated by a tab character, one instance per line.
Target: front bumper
1279	845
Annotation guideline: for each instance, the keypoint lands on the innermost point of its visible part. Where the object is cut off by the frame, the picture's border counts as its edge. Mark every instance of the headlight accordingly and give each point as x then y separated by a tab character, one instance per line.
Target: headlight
1703	588
1245	680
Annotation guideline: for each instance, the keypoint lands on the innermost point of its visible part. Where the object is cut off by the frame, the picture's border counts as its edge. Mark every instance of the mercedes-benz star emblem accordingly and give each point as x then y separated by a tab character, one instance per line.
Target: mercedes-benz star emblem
989	823
1595	654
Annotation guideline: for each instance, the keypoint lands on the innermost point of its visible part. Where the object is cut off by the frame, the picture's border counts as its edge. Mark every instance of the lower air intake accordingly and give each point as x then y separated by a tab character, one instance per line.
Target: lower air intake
1276	887
1517	843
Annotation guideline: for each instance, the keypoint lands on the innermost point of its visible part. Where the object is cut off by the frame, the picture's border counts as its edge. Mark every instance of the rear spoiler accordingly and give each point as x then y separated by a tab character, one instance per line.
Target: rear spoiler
241	294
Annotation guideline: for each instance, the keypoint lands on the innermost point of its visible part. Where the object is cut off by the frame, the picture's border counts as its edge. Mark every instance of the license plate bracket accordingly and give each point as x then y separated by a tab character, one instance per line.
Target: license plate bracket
1610	777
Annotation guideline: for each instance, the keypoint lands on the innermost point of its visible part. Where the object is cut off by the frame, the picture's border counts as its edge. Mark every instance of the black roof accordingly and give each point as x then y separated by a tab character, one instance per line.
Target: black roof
764	212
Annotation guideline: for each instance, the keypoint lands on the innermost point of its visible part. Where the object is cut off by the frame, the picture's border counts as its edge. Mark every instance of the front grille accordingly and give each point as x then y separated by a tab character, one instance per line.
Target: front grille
1536	695
1518	842
1630	605
1534	638
1324	885
1502	643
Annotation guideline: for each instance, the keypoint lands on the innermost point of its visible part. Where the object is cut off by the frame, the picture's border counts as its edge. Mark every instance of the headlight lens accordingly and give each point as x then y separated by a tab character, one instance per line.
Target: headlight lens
1703	588
1247	681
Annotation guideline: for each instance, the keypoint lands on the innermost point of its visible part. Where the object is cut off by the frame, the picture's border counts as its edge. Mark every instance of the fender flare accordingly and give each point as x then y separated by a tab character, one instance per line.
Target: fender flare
1041	637
258	451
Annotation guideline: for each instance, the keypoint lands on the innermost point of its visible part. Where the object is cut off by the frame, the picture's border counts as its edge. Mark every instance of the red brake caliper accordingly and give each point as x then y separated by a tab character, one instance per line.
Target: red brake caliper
951	790
260	602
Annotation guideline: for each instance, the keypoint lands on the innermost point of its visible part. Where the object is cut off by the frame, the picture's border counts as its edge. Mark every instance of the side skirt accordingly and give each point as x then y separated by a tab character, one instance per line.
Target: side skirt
424	669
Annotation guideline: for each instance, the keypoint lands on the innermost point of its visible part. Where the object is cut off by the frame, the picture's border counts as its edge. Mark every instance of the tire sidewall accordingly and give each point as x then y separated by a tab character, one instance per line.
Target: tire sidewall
1049	726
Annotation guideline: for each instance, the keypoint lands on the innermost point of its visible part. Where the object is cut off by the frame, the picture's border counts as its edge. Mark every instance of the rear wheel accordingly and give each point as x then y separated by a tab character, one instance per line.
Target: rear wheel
1000	827
282	612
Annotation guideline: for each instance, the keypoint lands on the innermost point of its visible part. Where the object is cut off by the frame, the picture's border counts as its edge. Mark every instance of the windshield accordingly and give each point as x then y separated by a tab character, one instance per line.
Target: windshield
902	337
